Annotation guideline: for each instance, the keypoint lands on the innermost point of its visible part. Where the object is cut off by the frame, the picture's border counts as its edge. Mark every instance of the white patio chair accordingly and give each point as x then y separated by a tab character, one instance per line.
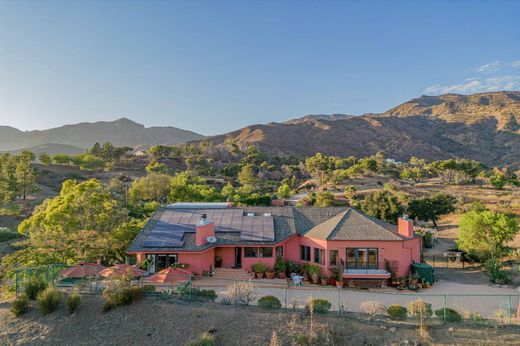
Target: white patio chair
297	279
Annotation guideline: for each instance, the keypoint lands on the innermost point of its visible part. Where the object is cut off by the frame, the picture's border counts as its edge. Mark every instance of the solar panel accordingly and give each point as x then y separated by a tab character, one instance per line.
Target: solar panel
186	218
172	224
257	228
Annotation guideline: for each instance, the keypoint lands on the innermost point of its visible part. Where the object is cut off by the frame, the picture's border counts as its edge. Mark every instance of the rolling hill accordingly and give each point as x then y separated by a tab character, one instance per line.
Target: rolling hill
121	132
483	126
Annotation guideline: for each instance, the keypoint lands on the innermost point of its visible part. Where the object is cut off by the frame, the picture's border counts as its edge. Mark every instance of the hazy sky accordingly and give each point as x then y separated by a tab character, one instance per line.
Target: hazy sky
213	66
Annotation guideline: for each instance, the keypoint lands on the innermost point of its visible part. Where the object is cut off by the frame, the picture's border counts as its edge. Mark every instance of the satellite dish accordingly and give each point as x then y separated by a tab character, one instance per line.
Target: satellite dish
211	239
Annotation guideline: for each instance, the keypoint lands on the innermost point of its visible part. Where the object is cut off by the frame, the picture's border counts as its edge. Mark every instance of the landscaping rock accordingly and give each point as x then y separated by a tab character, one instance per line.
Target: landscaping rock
393	329
451	329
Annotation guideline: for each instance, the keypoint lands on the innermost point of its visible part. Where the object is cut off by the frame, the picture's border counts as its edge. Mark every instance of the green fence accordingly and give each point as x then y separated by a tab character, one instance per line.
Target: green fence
48	274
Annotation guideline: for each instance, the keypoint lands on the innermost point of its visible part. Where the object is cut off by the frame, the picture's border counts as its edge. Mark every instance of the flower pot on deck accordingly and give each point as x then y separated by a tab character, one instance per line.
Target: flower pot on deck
269	275
339	283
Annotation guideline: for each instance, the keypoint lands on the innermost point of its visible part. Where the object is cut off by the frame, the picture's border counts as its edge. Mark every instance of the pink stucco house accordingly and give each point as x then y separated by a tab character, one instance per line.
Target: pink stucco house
198	233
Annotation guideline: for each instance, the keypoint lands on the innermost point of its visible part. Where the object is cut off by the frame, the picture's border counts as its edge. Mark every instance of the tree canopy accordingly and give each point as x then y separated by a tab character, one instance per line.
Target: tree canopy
485	233
83	223
430	208
383	205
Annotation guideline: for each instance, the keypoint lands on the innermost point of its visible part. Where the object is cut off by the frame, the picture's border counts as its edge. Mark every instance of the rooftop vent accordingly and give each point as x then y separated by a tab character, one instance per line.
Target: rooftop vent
267	214
250	214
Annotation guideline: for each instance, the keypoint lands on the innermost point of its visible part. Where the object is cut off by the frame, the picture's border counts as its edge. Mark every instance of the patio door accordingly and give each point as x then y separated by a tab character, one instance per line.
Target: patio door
238	257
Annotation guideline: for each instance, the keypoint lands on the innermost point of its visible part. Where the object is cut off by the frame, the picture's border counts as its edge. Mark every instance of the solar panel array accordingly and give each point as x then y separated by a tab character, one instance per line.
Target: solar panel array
257	228
173	223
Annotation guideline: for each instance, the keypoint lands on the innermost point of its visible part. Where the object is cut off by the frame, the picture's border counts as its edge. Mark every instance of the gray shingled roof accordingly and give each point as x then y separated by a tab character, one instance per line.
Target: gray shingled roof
354	225
333	223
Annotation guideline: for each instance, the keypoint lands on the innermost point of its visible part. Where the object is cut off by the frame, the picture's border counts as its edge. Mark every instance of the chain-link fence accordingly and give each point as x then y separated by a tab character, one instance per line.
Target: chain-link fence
500	307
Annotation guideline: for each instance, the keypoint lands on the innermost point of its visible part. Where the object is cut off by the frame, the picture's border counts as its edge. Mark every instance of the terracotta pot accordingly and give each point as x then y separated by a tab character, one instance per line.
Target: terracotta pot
315	278
339	284
281	275
324	282
259	275
269	275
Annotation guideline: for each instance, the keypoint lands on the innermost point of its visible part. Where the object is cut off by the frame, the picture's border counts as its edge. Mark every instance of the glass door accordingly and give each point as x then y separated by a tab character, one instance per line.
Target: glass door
238	257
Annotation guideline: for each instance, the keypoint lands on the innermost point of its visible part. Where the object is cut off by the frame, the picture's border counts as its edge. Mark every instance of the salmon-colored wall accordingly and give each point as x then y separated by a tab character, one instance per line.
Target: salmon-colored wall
199	262
228	256
404	252
292	249
247	263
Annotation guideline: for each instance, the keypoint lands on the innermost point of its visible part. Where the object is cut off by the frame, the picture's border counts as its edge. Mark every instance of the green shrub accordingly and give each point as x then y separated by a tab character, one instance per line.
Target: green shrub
226	301
397	312
122	296
206	339
73	302
34	287
320	306
20	306
270	302
451	315
208	295
313	269
49	300
6	234
148	288
259	267
280	266
496	272
167	294
108	305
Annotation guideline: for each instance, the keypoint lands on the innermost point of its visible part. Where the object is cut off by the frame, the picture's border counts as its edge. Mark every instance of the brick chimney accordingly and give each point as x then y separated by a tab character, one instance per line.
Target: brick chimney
204	229
405	227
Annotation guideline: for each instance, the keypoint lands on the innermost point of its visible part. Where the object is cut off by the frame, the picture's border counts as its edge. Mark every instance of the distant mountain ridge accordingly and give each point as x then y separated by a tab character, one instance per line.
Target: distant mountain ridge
121	132
482	126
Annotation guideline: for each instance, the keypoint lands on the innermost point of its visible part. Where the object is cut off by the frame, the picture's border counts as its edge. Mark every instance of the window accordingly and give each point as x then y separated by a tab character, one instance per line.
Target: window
372	259
305	253
250	252
333	257
319	256
279	251
164	261
266	252
362	258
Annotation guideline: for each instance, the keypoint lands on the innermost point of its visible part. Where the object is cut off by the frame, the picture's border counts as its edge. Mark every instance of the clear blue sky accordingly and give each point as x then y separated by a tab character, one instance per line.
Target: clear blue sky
213	66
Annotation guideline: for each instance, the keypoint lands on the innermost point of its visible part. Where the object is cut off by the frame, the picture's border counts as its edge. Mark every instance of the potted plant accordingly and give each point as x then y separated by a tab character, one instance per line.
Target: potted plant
280	267
337	272
269	273
426	284
401	283
314	273
305	271
259	270
218	261
324	279
414	279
